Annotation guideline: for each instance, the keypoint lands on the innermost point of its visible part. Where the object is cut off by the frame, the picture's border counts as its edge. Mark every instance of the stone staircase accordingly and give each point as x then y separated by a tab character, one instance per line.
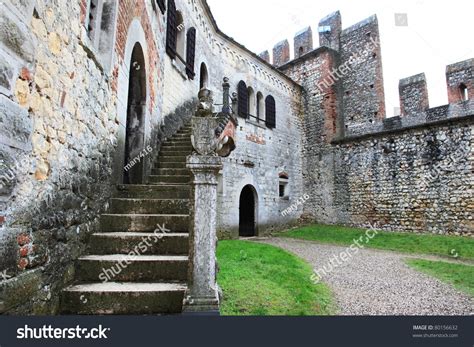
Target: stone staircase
153	279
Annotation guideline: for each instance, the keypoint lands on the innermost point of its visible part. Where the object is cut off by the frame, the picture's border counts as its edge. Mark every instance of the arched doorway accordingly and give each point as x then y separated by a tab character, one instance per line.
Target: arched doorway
135	127
248	212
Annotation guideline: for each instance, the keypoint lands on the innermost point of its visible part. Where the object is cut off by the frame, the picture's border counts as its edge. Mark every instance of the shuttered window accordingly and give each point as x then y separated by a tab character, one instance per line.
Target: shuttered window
172	30
161	5
243	99
190	52
270	112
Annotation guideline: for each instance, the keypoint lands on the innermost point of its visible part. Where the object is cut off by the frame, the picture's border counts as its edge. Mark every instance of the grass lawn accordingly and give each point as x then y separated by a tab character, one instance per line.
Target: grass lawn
461	276
402	242
263	280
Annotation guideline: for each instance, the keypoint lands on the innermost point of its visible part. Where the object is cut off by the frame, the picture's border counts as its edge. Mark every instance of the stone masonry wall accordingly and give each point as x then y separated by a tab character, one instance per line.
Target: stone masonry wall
62	136
261	153
409	173
321	126
414	180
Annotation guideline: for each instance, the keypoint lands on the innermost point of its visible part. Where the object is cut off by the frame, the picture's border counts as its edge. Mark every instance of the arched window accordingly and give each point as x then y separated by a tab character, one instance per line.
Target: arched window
242	99
100	26
171	29
270	112
190	52
203	77
260	106
251	102
464	92
180	35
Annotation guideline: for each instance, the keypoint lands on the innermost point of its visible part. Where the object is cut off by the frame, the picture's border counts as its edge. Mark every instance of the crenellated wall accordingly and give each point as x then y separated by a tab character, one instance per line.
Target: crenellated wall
407	173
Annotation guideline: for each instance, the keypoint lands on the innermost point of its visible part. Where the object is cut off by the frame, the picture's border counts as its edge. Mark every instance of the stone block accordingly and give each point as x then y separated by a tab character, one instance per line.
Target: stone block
16	37
16	125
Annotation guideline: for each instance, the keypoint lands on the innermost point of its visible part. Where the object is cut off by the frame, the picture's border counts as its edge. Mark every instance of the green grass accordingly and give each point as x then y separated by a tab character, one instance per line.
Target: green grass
459	275
263	280
440	245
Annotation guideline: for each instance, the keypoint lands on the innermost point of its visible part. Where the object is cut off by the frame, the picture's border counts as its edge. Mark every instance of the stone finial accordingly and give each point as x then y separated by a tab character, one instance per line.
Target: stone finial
281	53
413	94
226	96
330	28
205	106
303	42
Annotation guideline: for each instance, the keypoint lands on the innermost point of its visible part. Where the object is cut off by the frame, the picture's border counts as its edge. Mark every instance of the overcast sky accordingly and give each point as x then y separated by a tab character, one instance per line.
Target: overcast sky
438	33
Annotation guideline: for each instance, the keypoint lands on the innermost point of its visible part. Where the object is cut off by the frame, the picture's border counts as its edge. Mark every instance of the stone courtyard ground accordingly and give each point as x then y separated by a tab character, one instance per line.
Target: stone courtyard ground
376	282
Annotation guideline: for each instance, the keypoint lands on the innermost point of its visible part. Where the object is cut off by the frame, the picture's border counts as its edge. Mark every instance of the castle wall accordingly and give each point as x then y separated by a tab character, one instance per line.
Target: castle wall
62	137
407	173
321	125
413	179
261	153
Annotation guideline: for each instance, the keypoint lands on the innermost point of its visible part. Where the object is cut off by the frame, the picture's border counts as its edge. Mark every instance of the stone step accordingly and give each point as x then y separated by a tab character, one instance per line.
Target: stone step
149	206
132	268
123	243
171	152
171	159
168	191
170	165
177	147
170	172
185	132
181	136
175	223
161	179
186	143
123	298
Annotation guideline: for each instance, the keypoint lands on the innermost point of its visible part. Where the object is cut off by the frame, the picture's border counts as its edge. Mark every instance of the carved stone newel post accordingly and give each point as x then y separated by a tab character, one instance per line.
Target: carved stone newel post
204	164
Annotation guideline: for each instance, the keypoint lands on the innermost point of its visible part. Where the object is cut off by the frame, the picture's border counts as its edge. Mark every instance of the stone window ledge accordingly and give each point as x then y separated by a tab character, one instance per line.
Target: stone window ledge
257	124
179	66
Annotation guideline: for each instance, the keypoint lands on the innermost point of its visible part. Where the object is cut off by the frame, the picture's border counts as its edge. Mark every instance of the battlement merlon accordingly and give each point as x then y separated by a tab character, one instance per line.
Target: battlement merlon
281	53
329	29
303	42
460	81
413	93
265	55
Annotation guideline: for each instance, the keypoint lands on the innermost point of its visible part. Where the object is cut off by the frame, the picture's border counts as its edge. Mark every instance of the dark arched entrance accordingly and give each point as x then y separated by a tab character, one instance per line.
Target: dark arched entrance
135	127
248	212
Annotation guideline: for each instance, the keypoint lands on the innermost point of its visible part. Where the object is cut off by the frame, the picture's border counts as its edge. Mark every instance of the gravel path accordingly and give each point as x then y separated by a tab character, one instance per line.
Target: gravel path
377	282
